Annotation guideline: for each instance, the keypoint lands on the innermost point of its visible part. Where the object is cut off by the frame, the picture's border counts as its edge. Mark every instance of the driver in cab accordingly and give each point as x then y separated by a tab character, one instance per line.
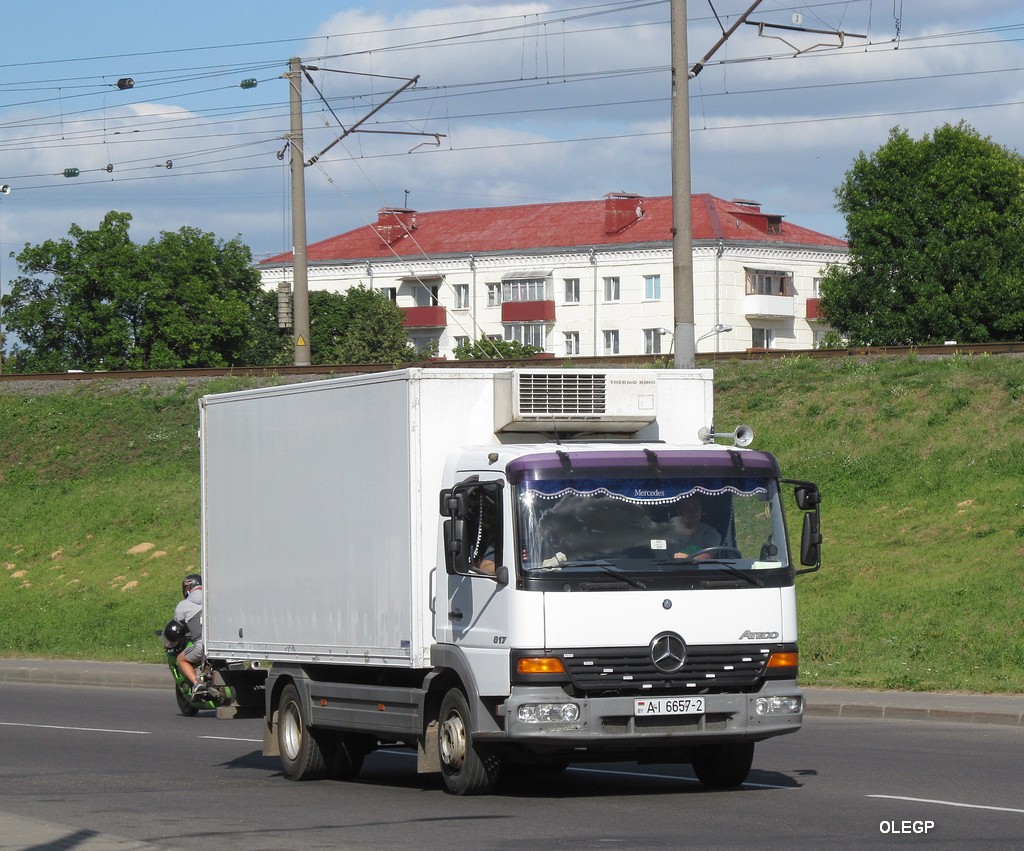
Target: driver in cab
690	535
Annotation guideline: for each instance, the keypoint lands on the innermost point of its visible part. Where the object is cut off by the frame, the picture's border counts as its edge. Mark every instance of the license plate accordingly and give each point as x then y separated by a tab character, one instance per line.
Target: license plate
668	706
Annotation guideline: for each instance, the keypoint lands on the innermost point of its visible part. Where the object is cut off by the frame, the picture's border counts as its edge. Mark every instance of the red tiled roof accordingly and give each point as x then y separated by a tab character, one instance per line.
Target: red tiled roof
567	224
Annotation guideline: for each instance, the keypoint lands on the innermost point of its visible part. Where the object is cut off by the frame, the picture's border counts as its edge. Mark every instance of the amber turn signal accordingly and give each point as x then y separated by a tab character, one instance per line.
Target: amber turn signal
540	665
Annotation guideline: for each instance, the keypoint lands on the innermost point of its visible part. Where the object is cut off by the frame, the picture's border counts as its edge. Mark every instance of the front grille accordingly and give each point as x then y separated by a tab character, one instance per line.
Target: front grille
543	393
631	669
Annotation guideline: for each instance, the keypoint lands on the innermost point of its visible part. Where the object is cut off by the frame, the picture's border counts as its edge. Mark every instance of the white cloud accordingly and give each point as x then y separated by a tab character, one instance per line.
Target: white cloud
534	101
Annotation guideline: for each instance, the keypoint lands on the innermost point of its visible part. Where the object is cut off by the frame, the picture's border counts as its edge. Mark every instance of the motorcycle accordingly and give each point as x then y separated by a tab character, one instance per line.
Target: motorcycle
206	694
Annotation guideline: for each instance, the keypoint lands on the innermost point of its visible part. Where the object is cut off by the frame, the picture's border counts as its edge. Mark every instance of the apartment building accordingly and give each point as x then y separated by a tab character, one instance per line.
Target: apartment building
583	277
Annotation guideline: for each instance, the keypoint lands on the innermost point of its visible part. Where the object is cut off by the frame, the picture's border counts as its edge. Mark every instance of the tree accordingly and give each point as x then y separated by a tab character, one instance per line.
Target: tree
936	234
357	326
96	300
487	349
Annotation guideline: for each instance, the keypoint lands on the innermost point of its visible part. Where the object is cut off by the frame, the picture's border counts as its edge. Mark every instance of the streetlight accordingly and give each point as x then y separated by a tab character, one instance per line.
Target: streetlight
717	329
661	332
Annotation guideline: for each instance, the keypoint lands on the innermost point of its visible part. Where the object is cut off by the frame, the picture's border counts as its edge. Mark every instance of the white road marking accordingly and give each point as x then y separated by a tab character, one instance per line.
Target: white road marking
948	803
77	729
230	739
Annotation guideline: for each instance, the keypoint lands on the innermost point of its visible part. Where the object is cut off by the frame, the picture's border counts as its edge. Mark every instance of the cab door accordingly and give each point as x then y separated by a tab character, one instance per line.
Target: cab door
471	610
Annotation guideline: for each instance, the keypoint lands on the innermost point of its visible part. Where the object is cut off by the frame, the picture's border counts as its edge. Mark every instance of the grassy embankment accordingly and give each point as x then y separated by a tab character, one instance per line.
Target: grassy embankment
919	462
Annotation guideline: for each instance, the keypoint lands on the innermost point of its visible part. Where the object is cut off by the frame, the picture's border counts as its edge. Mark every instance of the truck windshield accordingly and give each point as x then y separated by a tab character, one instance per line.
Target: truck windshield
630	526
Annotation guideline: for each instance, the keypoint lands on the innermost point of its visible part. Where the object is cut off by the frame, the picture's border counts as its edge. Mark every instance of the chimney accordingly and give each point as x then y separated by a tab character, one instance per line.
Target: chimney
394	222
621	209
750	212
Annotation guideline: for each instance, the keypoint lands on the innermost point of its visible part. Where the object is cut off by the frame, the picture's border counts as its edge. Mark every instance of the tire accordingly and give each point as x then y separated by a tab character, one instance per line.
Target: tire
184	704
302	757
347	751
467	768
723	766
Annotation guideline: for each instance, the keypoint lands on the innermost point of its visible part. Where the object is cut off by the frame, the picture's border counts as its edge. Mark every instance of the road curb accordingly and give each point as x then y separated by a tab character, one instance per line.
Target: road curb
109	674
899	713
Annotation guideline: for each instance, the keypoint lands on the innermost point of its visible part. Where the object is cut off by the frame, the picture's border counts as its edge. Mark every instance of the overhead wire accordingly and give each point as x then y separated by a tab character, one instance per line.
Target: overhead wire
109	128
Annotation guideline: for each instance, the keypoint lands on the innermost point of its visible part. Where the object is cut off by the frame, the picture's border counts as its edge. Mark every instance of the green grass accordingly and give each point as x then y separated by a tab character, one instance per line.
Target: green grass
920	468
918	460
86	477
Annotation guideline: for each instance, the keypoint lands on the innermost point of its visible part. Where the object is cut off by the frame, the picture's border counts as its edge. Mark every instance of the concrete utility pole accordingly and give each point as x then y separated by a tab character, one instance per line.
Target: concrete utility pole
682	215
300	277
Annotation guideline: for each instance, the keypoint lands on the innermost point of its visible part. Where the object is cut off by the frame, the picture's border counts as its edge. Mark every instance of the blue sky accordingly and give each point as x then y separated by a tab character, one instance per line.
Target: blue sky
514	103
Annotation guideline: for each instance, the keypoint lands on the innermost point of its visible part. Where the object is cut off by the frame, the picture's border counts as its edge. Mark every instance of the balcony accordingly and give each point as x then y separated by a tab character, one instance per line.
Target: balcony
425	317
814	309
775	306
528	311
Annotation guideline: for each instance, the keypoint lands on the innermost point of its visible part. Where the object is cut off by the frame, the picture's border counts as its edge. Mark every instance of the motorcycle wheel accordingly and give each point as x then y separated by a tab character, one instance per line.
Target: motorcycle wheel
184	704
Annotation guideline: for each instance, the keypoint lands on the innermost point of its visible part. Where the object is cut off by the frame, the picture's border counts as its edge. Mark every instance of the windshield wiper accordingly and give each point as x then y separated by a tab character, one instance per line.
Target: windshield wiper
608	568
723	565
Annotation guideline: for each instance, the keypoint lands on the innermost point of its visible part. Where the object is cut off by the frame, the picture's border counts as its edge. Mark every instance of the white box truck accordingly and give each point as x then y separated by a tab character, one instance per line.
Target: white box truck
501	567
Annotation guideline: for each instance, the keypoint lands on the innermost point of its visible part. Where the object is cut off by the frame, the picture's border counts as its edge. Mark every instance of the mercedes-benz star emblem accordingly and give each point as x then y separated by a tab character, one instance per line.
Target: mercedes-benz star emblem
668	652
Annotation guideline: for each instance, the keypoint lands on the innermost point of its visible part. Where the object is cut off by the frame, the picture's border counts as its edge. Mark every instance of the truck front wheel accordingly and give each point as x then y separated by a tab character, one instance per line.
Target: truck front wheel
725	765
301	755
467	768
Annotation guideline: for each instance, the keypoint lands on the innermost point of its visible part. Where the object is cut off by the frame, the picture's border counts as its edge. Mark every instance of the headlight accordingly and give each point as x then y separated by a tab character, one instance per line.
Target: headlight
538	713
778	705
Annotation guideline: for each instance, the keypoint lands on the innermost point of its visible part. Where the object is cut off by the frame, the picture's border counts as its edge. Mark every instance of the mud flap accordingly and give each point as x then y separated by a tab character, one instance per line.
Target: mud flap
270	745
428	758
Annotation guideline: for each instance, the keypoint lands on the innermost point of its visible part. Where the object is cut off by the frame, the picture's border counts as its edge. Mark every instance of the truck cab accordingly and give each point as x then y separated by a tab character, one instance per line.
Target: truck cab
624	601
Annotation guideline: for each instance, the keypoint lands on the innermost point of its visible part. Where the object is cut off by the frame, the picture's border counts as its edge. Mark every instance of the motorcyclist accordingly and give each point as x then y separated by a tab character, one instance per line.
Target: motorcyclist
190	612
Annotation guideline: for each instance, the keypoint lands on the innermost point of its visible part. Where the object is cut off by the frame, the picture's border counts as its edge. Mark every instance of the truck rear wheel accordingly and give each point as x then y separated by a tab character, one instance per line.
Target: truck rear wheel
723	766
467	768
301	754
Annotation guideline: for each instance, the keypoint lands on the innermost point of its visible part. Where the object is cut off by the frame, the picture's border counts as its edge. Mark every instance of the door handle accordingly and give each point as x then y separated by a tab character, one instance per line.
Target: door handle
455	615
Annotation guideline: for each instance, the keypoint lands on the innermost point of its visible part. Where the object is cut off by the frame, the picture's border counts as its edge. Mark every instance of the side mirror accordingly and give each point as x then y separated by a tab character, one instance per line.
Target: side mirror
452	504
455	552
810	541
808	497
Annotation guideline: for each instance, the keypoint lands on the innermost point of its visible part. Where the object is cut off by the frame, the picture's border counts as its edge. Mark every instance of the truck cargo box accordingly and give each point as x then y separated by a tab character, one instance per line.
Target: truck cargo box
320	500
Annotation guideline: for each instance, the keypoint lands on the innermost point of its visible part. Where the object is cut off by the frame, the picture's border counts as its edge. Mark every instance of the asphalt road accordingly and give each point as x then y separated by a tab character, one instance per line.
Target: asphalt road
111	769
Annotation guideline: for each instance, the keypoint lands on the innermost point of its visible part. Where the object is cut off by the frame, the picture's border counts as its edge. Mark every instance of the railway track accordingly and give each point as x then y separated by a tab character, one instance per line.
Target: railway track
579	362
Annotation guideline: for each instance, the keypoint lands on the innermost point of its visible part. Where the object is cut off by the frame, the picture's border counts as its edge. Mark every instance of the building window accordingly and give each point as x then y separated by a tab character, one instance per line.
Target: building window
425	295
762	338
768	282
532	289
527	333
611	289
652	341
652	287
572	290
572	342
390	293
459	341
815	287
461	296
493	295
611	342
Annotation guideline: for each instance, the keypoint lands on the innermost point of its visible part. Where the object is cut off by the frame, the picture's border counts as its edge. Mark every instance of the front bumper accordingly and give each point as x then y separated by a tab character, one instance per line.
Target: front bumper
609	722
